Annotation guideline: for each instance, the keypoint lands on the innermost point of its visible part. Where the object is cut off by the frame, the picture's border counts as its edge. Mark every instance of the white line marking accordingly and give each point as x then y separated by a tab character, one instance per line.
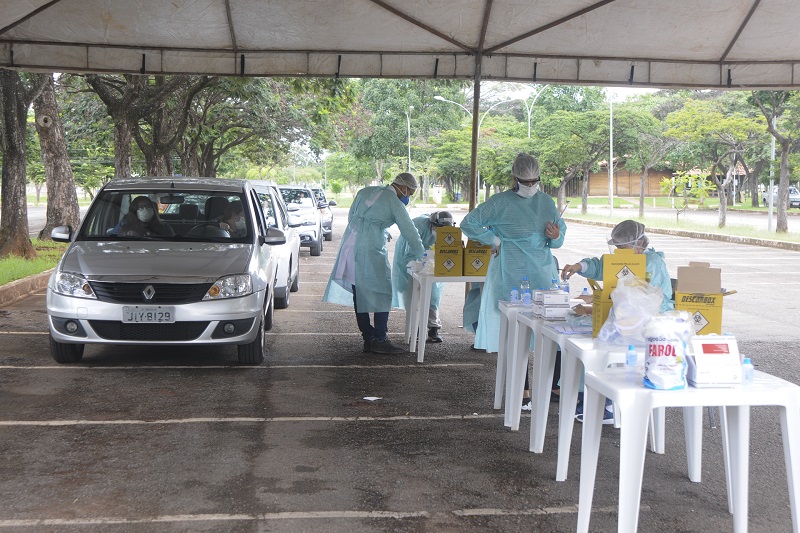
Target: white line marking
229	367
24	332
242	420
297	515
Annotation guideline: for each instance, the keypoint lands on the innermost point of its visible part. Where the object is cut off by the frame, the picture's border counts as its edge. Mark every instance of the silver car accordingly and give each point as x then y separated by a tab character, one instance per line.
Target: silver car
166	261
307	215
287	255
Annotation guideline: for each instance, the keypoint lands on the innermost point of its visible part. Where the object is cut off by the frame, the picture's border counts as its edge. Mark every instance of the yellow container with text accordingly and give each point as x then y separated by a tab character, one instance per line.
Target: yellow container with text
476	258
449	252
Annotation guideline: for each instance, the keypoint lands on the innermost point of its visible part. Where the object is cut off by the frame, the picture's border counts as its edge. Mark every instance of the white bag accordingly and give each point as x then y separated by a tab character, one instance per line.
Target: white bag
635	302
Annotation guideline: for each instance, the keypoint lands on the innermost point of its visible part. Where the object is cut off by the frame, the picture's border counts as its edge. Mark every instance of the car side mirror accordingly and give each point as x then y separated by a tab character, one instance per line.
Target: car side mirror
332	203
274	237
61	234
322	205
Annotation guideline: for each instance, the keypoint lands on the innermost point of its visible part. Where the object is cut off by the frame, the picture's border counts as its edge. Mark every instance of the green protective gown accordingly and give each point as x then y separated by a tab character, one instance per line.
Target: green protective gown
655	266
519	223
403	254
363	260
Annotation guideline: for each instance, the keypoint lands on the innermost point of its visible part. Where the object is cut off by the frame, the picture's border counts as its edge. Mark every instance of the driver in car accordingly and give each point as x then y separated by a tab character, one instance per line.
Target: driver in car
142	220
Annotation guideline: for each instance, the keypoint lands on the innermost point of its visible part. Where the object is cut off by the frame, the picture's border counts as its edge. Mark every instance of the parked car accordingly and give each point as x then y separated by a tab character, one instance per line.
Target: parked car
187	282
325	211
307	215
287	255
794	197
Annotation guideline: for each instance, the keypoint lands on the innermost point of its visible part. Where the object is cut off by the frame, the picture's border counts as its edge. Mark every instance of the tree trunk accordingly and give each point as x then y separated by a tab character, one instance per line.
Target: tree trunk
585	194
782	224
62	200
14	103
642	184
122	147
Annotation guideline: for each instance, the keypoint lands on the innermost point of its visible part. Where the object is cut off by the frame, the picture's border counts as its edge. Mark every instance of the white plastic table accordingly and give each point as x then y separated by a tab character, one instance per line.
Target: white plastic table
417	316
508	335
635	403
527	327
582	350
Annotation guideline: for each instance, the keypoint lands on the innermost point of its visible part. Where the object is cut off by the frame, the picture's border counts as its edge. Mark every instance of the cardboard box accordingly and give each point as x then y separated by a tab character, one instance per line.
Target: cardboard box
714	362
476	258
623	262
699	292
601	306
551	297
449	252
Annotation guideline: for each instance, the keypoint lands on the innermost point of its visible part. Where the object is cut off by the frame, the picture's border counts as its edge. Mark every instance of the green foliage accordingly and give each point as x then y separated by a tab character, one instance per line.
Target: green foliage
689	189
48	253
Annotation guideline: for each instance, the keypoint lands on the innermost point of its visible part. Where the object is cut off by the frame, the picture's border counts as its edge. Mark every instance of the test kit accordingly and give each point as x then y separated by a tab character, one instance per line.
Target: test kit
714	361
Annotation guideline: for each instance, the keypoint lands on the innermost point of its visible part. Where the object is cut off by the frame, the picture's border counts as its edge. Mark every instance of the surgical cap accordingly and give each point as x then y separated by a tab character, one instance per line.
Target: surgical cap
441	218
406	180
629	232
525	167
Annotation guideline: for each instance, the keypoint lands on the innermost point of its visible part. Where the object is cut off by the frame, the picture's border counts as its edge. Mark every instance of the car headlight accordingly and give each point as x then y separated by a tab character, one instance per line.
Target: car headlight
73	285
230	287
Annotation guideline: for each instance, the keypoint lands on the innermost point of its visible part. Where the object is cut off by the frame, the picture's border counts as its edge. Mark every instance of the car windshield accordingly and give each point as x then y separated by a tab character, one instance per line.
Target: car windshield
297	196
176	215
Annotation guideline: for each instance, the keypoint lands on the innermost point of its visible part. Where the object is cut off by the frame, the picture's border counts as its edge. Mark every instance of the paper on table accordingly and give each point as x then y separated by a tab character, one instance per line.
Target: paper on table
572	330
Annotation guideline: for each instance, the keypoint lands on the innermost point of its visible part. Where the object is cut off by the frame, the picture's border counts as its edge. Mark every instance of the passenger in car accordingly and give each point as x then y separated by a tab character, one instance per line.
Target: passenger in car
232	219
142	220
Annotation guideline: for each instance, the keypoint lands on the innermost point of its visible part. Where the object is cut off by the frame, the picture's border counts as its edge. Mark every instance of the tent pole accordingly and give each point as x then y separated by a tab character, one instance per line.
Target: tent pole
476	103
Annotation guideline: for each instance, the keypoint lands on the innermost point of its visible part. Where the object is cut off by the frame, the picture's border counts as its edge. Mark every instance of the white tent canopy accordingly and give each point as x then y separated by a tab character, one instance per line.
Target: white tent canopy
643	43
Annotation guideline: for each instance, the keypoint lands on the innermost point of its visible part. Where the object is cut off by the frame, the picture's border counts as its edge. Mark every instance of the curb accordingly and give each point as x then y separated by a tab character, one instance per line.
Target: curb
752	241
22	288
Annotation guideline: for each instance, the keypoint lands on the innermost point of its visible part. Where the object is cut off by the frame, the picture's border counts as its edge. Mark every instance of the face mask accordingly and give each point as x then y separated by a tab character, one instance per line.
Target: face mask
526	191
405	200
144	214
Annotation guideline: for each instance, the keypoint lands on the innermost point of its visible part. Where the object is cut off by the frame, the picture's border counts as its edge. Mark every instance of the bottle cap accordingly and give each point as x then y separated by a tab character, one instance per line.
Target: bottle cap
747	361
631	347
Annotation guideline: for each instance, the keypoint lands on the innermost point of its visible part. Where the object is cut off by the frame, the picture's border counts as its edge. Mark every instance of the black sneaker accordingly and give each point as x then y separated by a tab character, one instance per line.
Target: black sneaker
433	335
367	346
386	347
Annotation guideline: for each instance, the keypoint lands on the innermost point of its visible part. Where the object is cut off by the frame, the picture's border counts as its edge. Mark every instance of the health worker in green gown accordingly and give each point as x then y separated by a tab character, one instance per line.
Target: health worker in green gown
361	275
403	254
522	225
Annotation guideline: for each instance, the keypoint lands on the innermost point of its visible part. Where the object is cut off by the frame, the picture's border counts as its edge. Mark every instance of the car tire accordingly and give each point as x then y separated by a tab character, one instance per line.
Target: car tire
283	303
329	236
296	283
253	353
316	248
65	353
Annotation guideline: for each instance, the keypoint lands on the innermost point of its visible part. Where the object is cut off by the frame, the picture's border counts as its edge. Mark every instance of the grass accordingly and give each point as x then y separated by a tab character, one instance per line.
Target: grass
48	254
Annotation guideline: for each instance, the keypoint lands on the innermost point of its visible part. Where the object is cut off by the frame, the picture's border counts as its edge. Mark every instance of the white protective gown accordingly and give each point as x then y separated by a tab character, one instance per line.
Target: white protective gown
524	251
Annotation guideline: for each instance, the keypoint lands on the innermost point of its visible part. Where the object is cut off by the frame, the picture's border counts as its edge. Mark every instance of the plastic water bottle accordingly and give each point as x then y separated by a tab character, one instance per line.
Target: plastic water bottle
747	372
526	298
565	286
585	292
524	285
630	357
554	284
425	258
514	295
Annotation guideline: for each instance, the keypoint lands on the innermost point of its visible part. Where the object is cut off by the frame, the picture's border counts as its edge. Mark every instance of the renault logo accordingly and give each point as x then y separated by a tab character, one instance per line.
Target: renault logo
149	292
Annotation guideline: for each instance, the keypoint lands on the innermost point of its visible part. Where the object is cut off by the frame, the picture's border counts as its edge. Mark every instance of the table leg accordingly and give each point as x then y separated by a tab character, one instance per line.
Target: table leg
424	311
414	321
738	428
658	429
633	442
726	456
570	379
516	378
409	306
502	361
693	434
593	405
790	429
544	362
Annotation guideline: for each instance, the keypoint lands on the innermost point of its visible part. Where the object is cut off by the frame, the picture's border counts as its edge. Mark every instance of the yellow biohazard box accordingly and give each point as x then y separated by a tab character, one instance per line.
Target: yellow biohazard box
623	262
601	306
476	258
699	291
449	252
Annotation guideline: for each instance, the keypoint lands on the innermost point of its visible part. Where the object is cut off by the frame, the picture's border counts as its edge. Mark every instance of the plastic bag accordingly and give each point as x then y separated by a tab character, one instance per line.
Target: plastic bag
576	320
635	302
666	343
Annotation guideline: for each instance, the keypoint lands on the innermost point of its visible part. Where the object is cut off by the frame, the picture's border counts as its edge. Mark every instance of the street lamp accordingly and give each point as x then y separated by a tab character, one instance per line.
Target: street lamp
529	108
442	99
408	121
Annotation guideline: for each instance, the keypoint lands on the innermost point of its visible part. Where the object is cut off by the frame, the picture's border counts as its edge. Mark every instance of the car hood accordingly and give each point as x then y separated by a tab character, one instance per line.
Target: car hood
150	260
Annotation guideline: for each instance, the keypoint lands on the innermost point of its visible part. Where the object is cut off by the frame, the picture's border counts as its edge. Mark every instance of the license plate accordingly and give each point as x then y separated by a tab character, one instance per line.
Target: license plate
148	314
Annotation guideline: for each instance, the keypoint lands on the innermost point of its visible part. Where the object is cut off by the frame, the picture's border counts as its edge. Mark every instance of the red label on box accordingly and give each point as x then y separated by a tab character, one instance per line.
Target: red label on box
716	348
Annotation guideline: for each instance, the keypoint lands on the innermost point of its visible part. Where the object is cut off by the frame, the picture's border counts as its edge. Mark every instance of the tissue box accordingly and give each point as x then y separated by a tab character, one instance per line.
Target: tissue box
714	362
551	297
549	312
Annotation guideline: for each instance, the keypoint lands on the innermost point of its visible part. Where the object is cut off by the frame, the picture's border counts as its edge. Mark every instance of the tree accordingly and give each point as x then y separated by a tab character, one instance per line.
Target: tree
17	91
62	201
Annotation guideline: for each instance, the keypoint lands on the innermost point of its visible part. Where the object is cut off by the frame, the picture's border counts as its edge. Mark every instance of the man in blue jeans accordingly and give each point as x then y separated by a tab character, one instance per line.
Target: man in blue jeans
362	274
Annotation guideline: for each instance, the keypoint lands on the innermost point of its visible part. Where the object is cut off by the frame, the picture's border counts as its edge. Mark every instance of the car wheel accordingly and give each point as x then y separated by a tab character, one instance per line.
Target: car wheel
296	284
65	353
253	353
283	303
329	236
316	248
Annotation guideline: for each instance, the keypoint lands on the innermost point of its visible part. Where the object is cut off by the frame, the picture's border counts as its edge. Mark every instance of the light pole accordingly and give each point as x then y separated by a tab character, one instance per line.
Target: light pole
529	108
408	121
442	99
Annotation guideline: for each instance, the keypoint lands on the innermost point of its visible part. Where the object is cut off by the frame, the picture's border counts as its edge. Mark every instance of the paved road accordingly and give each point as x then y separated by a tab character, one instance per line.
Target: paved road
143	440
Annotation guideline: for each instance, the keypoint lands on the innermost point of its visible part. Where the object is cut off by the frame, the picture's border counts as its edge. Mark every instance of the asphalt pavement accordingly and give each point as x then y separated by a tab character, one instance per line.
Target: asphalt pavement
325	438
